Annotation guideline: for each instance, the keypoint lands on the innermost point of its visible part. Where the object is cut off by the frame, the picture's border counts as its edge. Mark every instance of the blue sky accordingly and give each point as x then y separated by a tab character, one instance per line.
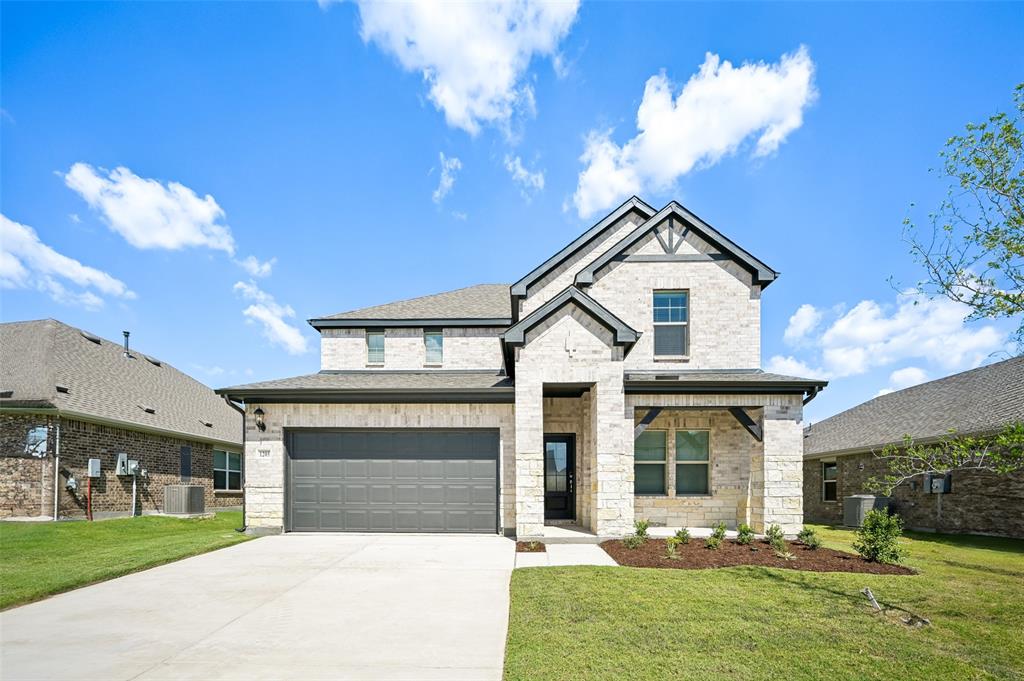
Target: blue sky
311	138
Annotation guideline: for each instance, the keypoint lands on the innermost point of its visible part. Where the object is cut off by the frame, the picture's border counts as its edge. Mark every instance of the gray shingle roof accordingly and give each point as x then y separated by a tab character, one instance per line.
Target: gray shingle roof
376	381
483	301
711	376
973	402
38	356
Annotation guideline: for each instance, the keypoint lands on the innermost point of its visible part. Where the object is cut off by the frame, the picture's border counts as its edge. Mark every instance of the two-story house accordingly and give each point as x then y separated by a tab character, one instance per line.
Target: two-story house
620	379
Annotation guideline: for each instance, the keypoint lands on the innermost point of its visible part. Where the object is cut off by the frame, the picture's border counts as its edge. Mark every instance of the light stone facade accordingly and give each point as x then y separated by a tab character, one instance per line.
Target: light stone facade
404	349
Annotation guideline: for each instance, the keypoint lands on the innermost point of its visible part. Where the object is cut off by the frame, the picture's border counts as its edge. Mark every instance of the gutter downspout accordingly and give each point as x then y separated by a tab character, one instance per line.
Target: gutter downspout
241	412
56	475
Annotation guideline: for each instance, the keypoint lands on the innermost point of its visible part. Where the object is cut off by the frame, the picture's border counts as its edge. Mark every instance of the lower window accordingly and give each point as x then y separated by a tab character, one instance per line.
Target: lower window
227	470
693	462
829	475
649	463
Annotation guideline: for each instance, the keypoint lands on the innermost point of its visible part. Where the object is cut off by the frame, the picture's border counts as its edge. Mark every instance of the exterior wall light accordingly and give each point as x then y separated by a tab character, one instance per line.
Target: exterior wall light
260	422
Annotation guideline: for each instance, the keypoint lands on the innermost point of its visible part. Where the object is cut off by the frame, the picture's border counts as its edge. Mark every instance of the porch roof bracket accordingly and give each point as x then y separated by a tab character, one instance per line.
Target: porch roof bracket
648	418
751	426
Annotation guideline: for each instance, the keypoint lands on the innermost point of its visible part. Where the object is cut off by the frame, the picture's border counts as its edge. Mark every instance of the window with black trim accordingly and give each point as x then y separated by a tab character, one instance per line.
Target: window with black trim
829	478
433	342
693	461
374	347
671	324
649	463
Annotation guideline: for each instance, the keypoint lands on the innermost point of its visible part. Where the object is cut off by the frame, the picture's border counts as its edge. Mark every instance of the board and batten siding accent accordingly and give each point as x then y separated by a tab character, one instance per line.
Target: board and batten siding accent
265	450
464	348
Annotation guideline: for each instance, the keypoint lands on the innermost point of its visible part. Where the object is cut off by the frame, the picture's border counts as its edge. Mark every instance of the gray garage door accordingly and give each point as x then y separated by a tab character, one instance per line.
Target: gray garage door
399	480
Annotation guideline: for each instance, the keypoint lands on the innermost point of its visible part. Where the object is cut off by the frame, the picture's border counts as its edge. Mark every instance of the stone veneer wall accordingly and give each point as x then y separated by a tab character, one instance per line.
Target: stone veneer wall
82	440
979	503
732	450
573	348
265	452
464	348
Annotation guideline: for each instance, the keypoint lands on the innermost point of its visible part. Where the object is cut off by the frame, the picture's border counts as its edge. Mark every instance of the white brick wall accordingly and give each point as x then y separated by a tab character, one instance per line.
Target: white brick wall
464	348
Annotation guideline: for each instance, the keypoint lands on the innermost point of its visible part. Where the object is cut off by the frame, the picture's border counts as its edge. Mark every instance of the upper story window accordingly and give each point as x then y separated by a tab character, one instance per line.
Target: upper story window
671	324
433	341
374	347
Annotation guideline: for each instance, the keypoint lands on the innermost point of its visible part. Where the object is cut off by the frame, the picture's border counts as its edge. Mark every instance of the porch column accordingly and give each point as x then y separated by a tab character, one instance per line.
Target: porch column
613	450
529	455
776	472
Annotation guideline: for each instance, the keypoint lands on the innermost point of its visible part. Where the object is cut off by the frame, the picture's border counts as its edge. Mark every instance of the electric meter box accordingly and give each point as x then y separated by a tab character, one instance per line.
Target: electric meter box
121	467
94	468
133	466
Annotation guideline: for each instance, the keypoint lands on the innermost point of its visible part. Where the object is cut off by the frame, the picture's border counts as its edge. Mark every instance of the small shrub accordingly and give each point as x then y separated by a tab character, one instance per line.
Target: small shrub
777	543
744	534
809	539
533	545
719	531
670	547
784	554
773	532
712	543
640	527
683	535
634	541
878	538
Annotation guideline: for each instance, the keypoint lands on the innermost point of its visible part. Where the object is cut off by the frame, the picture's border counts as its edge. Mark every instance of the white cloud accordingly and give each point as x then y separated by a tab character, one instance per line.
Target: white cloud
529	182
719	108
149	213
791	366
872	336
459	215
804	321
272	315
26	262
472	55
449	166
255	268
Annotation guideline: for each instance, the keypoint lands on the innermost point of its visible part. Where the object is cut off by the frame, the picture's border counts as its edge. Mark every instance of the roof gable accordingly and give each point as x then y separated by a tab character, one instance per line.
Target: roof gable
762	274
622	333
480	305
521	287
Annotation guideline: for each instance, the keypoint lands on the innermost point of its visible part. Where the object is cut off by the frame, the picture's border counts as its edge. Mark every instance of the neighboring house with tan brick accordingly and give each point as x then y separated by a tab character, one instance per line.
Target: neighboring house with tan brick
840	459
620	379
68	396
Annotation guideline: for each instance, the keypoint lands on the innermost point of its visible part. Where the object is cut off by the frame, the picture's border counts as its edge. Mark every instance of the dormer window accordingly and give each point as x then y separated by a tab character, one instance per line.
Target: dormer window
671	324
374	347
433	342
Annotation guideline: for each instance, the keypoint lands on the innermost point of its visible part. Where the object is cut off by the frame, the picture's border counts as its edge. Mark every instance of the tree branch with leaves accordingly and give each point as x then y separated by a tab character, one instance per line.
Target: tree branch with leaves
974	252
1001	454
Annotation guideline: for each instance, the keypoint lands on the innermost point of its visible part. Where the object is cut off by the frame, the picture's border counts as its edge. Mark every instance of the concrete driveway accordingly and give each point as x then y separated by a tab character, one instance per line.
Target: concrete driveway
326	606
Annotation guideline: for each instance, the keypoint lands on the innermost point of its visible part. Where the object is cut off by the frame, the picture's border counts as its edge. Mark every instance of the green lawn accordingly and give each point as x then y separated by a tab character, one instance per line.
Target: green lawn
41	559
760	623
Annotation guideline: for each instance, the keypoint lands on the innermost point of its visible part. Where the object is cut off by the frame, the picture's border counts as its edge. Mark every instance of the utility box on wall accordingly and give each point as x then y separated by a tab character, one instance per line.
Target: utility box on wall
94	468
939	484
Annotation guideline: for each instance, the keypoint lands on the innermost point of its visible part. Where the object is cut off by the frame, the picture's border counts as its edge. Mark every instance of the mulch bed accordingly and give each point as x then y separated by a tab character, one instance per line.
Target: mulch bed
530	547
694	556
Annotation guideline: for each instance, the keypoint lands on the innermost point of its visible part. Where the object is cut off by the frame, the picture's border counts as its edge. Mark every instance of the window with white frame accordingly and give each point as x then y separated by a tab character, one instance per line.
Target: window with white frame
227	470
433	342
649	463
829	478
693	462
671	324
36	441
374	347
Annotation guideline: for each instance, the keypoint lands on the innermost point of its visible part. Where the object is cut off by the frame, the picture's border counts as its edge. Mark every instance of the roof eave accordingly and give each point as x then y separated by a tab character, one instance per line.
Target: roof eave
390	396
365	323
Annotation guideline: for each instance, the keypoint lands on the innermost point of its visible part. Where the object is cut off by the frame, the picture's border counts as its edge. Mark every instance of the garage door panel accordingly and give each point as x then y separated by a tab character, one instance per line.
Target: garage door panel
393	480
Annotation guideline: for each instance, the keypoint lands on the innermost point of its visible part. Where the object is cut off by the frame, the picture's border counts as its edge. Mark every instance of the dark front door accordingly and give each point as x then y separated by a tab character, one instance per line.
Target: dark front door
559	477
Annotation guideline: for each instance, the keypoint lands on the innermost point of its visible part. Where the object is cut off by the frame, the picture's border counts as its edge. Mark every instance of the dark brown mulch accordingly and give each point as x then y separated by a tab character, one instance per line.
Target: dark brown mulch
694	556
530	547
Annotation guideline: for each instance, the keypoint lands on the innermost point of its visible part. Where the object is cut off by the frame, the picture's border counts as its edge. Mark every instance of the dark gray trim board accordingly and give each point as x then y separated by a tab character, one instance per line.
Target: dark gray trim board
808	391
313	396
763	274
321	323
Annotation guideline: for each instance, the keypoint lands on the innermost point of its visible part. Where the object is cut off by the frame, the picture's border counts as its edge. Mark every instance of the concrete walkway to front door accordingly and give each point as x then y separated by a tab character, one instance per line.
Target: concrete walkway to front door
300	606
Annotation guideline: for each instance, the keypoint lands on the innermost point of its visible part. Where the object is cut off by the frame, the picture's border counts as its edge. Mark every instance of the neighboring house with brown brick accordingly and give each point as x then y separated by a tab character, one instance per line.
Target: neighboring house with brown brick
620	379
68	396
839	456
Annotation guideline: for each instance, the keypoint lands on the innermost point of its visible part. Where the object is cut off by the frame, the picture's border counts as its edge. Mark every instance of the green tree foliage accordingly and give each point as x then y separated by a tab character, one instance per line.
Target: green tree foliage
878	538
974	251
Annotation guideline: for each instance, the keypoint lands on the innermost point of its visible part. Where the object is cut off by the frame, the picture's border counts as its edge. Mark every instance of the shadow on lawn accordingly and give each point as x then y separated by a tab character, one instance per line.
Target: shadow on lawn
970	541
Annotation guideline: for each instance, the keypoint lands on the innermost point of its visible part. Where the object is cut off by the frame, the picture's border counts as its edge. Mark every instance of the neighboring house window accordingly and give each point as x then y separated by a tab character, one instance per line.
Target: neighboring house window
185	464
433	340
227	470
693	462
649	463
671	323
374	347
35	441
829	473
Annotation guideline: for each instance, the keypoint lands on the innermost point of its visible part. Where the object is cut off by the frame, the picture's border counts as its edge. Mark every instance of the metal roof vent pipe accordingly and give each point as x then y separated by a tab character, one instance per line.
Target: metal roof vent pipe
126	352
